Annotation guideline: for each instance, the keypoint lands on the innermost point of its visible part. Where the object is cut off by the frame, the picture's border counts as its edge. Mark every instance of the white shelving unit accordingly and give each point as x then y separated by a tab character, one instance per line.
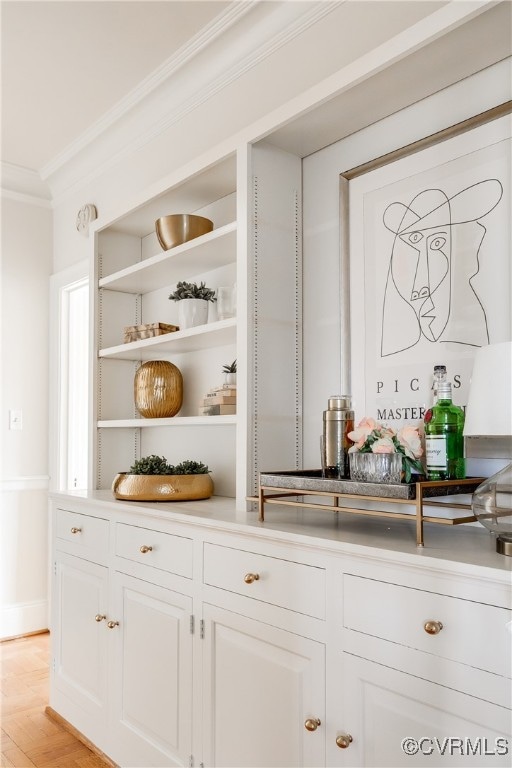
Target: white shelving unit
134	278
215	249
219	333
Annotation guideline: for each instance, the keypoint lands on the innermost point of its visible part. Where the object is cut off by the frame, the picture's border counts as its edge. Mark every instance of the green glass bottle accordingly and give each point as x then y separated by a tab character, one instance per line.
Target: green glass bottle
444	440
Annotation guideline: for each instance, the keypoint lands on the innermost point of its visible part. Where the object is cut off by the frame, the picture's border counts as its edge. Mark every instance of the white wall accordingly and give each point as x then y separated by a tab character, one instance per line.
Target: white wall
26	266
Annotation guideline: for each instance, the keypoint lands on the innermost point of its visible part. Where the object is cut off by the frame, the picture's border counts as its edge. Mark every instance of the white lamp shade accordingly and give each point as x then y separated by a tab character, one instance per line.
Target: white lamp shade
489	408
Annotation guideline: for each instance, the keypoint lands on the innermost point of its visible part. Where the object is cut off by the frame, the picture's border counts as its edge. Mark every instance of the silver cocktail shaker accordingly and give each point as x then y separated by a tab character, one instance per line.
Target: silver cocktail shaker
338	421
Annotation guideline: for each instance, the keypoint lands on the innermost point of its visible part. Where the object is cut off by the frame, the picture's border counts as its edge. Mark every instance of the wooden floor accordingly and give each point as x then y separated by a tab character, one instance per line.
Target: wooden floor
29	737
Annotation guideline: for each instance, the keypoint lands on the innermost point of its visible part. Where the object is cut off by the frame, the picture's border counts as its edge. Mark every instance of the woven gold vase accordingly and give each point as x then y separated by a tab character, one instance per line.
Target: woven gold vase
158	389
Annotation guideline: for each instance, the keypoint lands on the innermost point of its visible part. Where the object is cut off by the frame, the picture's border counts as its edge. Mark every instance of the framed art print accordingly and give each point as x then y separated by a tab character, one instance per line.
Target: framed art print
429	257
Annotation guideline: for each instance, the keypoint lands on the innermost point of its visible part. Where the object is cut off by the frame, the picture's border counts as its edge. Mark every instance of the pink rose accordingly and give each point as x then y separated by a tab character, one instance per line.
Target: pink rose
410	439
363	429
383	445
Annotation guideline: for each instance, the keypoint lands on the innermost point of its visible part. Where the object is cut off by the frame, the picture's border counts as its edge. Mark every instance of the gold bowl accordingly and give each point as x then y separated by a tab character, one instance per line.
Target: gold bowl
162	487
178	228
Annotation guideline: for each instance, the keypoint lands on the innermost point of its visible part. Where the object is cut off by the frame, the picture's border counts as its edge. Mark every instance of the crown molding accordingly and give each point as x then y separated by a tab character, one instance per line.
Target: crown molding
240	39
24	185
162	74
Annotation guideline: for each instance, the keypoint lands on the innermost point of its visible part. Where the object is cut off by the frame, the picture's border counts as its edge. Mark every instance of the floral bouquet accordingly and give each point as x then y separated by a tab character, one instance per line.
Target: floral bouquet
372	437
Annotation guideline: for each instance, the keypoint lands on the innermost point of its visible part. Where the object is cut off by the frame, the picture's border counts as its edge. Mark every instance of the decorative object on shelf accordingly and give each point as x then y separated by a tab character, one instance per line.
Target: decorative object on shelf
303	483
147	331
85	215
226	301
178	228
376	467
489	415
372	437
229	371
153	479
193	302
158	389
338	421
219	401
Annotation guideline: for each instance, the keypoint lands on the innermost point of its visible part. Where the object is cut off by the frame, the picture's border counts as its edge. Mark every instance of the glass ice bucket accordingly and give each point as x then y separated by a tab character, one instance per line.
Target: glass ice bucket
376	467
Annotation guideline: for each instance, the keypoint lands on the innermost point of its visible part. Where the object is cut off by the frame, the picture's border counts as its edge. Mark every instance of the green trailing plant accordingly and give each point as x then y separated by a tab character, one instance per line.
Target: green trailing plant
229	367
186	290
158	465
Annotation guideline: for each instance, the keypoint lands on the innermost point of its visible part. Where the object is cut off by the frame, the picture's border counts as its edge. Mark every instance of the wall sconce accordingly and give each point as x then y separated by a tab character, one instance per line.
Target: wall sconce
489	414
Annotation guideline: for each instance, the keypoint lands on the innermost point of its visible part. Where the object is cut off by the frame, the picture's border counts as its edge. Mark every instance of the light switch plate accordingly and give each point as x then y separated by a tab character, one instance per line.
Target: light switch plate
15	419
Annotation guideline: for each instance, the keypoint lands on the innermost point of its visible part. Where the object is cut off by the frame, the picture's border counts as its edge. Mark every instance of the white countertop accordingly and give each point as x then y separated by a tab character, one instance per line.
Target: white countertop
455	548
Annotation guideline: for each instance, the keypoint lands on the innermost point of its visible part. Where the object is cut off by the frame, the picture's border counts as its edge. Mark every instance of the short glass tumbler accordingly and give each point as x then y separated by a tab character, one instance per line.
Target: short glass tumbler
376	467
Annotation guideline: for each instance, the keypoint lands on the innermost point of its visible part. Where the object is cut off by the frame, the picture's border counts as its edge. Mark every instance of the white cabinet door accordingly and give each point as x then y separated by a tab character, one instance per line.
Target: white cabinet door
261	684
79	643
152	674
396	719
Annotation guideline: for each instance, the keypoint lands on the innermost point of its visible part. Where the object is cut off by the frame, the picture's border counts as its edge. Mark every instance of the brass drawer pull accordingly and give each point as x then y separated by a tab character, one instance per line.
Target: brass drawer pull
250	577
145	549
433	627
312	724
99	617
76	530
112	624
344	740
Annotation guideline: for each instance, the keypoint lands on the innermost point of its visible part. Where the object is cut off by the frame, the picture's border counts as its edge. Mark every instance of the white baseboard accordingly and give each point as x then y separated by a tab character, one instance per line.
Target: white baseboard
23	618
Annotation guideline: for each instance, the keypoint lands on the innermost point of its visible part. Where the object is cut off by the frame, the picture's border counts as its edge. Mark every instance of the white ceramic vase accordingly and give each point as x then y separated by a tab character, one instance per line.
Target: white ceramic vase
192	312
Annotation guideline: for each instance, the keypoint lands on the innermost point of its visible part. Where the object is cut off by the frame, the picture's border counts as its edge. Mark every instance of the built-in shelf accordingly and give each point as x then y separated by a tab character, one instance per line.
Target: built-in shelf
204	253
219	333
175	421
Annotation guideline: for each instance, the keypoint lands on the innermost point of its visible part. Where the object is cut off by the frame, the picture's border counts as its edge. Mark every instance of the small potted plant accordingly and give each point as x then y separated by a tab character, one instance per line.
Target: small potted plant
229	371
193	300
152	478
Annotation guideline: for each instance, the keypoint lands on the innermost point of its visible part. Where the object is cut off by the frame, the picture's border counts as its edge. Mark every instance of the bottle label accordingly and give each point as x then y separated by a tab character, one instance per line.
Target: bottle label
435	452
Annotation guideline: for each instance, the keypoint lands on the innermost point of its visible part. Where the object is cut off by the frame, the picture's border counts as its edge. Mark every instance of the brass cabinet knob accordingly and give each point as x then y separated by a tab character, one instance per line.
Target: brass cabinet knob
312	723
344	740
433	627
112	624
145	549
250	577
99	617
76	530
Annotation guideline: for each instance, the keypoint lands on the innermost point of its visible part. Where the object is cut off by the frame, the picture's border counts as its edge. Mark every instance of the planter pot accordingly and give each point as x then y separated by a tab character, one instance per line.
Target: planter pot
230	378
158	389
376	467
192	312
162	487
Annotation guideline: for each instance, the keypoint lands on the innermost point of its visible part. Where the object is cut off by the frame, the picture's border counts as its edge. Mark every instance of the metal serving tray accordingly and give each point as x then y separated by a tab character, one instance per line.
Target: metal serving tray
311	480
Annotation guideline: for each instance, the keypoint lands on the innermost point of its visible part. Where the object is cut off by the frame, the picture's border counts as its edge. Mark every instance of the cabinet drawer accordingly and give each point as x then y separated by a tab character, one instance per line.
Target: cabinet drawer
159	550
296	586
472	633
87	535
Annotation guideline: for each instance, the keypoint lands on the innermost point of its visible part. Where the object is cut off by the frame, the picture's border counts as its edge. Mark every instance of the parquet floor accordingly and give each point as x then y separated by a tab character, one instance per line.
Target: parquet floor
28	736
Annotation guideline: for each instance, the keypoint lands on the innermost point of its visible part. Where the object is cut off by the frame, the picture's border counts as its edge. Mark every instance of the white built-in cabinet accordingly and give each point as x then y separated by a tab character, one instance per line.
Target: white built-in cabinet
191	634
178	640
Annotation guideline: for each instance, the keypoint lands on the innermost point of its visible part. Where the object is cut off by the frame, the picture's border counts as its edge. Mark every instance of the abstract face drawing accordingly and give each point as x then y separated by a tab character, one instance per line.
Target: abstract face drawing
435	256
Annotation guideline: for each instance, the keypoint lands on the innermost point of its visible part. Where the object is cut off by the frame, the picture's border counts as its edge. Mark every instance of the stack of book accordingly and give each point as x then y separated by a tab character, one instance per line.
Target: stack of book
219	401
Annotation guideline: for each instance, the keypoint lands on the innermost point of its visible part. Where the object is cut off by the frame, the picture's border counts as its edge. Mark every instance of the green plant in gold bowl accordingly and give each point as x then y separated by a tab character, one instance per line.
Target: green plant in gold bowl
152	478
